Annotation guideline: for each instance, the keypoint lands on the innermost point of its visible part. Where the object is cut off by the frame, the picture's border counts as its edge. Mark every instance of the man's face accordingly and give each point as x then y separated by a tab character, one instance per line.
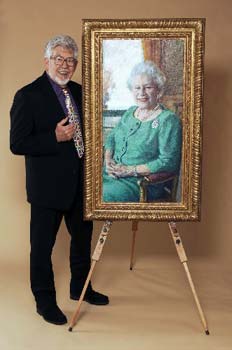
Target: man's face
58	69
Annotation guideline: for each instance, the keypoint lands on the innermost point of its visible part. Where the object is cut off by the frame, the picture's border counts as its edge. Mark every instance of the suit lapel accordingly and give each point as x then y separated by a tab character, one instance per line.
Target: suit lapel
50	96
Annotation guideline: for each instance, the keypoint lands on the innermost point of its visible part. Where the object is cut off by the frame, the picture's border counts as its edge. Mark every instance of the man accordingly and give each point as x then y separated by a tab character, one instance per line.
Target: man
46	128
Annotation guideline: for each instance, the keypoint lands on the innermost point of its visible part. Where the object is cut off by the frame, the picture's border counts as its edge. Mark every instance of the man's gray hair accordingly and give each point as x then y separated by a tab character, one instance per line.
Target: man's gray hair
150	69
64	41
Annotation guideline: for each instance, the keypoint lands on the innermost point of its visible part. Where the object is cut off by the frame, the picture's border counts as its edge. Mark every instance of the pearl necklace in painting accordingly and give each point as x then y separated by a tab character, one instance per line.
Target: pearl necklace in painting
148	114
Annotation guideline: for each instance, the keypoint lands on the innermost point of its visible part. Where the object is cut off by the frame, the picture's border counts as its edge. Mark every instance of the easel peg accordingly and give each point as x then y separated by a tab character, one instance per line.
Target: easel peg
134	231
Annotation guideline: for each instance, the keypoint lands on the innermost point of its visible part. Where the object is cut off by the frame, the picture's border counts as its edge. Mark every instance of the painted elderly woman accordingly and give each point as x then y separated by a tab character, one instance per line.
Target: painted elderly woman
147	139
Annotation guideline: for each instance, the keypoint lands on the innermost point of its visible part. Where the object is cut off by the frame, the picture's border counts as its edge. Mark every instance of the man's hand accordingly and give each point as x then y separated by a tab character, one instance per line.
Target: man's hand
64	132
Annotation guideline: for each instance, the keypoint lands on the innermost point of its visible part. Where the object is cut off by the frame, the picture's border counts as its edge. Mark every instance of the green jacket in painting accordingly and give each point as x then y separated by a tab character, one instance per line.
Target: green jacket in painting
156	143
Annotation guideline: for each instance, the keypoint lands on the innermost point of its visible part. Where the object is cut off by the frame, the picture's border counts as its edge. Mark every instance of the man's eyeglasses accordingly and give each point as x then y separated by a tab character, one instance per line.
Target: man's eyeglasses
59	60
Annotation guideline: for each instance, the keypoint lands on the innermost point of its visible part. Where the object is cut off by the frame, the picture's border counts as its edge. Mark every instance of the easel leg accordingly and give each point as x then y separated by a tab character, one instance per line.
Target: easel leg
134	231
96	256
183	259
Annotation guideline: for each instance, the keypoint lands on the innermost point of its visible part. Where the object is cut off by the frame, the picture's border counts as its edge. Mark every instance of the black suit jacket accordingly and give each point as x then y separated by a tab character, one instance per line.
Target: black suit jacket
53	170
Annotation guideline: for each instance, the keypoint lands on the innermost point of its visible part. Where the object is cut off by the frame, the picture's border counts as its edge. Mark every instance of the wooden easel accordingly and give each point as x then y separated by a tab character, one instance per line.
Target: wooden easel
180	251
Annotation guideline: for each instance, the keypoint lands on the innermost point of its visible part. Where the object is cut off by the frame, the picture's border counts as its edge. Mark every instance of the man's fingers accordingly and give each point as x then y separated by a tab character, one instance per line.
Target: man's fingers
69	127
69	133
65	132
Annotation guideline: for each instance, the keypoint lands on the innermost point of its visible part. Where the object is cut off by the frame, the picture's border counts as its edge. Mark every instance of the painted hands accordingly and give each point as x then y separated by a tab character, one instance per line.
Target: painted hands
119	170
110	165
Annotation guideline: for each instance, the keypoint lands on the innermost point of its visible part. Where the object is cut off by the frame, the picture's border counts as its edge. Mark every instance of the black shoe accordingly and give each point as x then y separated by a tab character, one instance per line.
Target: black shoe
52	314
92	297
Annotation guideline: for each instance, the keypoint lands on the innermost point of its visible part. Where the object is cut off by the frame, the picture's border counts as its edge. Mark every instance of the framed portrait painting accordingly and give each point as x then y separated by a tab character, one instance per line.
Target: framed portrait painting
143	105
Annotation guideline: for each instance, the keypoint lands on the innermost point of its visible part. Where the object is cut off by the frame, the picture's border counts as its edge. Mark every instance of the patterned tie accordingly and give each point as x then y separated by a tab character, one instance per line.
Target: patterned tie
75	119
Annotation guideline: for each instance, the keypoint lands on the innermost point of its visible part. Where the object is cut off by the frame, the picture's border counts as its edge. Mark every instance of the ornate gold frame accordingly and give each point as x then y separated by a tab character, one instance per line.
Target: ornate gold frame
192	32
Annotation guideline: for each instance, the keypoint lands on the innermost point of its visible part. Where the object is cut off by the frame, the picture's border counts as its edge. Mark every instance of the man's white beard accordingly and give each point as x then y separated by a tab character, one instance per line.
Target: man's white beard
61	82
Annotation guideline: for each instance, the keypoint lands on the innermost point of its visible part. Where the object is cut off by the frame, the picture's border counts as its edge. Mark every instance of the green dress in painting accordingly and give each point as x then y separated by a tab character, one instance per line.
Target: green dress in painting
156	143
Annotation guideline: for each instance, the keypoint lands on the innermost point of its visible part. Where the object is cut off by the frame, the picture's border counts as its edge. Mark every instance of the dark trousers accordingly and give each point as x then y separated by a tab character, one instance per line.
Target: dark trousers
44	226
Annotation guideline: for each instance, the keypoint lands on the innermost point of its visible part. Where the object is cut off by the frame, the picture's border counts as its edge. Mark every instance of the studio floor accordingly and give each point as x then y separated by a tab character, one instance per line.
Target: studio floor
150	308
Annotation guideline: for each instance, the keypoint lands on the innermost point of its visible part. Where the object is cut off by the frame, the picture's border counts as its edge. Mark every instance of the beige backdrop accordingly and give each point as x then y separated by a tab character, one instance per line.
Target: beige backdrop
25	27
